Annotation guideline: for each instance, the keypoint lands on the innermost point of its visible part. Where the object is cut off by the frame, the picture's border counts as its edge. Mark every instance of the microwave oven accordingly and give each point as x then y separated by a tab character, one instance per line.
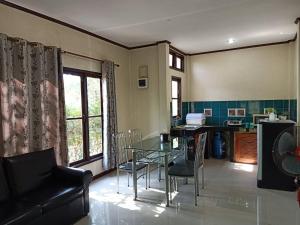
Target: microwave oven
258	117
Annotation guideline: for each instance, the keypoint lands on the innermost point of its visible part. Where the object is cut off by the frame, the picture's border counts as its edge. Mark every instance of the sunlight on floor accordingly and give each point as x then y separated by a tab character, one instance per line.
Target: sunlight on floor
244	167
120	200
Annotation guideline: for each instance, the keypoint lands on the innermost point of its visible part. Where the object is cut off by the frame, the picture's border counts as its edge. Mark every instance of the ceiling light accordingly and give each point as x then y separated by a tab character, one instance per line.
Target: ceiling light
231	41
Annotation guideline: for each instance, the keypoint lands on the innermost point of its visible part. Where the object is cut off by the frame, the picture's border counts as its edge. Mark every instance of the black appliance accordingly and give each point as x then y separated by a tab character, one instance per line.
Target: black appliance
268	174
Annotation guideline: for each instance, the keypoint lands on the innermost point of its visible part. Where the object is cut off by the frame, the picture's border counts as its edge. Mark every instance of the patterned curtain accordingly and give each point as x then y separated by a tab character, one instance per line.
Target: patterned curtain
32	115
109	114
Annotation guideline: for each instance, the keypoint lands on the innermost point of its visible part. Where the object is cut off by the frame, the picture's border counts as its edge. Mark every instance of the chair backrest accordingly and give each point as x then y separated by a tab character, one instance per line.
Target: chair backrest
200	150
134	137
122	152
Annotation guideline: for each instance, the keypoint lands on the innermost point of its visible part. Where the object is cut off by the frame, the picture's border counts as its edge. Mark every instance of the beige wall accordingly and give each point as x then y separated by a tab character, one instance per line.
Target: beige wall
20	24
247	74
297	69
144	103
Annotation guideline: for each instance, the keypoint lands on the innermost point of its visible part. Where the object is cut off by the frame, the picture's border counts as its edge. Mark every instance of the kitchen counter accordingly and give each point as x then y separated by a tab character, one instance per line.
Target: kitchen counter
193	130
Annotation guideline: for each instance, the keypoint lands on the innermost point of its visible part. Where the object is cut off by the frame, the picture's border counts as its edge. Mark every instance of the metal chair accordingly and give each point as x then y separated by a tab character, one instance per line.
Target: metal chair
123	160
188	168
135	138
149	158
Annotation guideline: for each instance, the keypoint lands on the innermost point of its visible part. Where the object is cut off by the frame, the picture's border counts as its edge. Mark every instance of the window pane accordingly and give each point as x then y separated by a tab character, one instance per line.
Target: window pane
174	107
170	60
174	89
178	63
72	85
94	96
95	135
75	142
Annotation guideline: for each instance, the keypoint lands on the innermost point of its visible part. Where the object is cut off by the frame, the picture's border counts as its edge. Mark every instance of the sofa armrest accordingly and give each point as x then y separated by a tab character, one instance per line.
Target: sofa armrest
74	175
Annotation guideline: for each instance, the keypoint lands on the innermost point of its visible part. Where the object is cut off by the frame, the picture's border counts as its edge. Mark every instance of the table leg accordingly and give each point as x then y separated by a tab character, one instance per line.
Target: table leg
185	148
134	174
167	178
186	153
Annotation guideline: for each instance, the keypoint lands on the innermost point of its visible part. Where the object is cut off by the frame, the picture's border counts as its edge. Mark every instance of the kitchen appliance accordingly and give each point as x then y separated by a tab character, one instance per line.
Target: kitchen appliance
195	119
258	117
286	154
268	174
234	122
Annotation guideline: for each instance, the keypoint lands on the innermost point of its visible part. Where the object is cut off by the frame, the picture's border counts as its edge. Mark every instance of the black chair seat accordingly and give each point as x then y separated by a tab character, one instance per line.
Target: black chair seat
53	196
18	213
181	171
128	166
183	162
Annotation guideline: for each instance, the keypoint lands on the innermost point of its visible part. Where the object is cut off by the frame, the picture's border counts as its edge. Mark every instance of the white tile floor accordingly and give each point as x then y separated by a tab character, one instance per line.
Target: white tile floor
230	197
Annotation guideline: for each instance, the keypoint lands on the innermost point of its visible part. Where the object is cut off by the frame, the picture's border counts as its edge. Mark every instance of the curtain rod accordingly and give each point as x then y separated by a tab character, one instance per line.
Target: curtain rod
87	57
62	51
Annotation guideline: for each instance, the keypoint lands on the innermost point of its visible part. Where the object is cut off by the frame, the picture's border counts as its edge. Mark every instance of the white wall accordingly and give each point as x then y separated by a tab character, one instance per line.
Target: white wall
246	74
16	23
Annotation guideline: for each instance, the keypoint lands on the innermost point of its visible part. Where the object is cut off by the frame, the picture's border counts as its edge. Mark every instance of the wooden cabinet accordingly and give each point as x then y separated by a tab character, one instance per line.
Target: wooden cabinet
245	147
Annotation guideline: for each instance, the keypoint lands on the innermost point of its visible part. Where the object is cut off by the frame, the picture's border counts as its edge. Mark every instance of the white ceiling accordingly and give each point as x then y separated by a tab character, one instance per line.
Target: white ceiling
190	25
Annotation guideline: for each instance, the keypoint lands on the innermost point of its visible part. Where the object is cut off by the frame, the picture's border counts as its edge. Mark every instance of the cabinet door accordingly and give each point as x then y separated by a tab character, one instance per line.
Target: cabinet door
245	146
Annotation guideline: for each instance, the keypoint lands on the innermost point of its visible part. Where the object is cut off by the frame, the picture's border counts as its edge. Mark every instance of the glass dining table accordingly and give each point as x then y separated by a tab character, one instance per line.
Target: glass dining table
152	150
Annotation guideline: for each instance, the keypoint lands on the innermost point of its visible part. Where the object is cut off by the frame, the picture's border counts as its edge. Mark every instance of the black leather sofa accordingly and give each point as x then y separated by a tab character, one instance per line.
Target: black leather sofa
35	191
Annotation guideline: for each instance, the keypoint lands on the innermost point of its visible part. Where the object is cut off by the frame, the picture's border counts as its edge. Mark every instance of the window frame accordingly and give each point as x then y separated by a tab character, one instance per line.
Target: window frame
179	100
84	74
174	58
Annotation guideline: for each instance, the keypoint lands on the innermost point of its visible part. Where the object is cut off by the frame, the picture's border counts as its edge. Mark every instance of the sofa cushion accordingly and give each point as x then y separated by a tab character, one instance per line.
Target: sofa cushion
17	213
29	171
4	191
53	195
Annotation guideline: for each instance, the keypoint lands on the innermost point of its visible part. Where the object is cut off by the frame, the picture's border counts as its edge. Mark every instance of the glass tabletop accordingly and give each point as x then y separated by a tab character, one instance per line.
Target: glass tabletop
154	144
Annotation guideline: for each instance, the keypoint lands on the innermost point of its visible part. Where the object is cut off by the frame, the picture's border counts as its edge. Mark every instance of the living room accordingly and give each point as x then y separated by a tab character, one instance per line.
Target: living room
151	67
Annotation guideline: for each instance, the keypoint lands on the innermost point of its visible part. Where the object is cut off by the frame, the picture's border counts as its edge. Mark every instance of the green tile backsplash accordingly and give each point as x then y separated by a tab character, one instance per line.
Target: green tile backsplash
219	109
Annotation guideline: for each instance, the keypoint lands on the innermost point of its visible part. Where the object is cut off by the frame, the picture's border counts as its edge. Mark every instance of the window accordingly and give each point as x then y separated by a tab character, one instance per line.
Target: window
176	97
176	61
83	100
170	60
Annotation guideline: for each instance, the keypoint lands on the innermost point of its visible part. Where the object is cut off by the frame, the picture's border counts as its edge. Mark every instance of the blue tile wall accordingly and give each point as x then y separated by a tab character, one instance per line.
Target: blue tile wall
220	108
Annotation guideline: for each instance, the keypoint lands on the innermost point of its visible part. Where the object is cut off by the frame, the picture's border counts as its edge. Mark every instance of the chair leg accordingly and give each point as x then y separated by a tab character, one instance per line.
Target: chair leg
195	190
146	176
197	183
202	177
170	182
159	172
118	173
149	175
128	179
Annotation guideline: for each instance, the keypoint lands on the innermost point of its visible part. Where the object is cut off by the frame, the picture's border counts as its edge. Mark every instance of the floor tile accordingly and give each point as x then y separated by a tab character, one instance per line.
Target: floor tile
230	197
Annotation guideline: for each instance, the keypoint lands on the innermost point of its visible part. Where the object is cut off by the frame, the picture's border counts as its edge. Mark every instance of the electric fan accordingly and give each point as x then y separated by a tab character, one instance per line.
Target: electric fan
286	154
